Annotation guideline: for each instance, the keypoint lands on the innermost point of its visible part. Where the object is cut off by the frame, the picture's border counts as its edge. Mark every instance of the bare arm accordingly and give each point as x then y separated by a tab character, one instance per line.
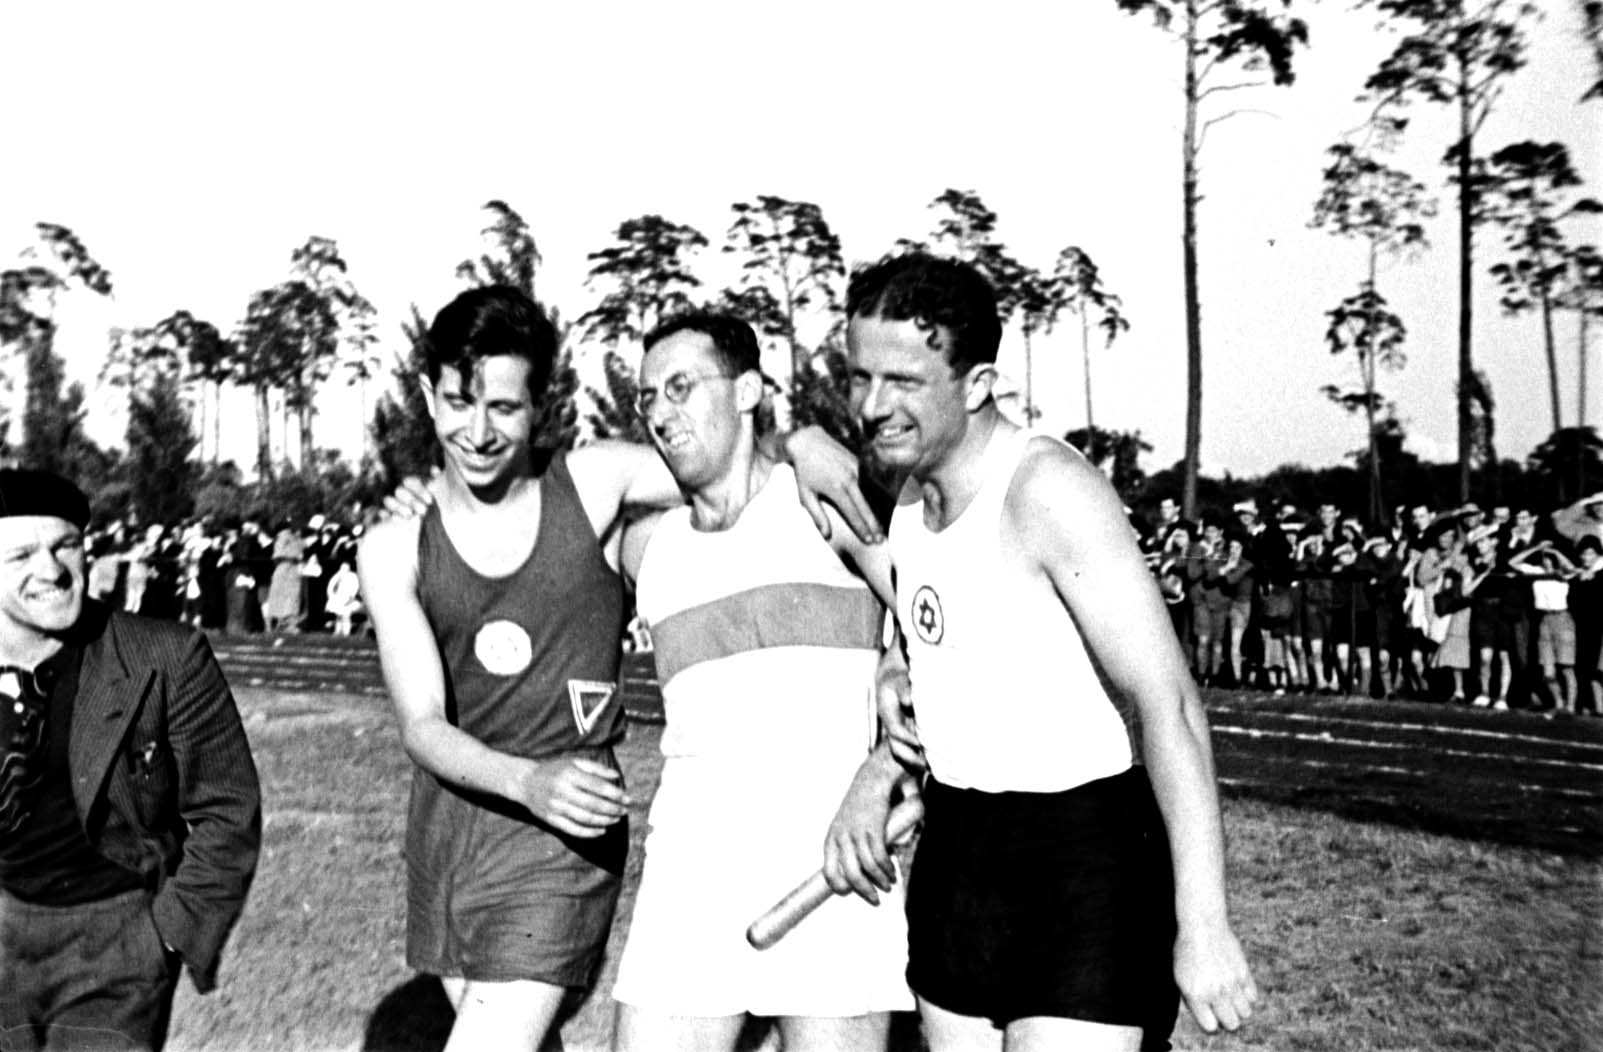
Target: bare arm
826	476
577	796
613	477
1063	513
636	536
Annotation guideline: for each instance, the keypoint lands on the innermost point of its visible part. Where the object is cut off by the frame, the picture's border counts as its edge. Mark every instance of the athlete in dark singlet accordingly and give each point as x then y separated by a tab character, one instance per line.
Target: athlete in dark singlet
498	618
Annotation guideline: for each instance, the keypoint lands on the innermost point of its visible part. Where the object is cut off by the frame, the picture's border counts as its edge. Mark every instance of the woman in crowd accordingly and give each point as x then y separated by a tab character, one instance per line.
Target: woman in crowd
1451	589
284	594
1488	621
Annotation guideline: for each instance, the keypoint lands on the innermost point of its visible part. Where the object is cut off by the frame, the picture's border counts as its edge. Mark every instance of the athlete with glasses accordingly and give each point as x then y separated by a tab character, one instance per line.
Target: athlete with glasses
499	614
766	646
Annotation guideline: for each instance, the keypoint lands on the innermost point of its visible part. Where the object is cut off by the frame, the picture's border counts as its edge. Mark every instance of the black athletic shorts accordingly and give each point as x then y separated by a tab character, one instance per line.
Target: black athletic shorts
1046	904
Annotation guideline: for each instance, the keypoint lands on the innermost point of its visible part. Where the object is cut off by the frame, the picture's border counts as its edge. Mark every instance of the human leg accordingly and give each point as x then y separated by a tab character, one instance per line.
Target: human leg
830	1034
1505	676
1483	686
642	1030
1047	1033
948	1031
1344	663
511	916
514	1015
1240	615
1296	669
1316	664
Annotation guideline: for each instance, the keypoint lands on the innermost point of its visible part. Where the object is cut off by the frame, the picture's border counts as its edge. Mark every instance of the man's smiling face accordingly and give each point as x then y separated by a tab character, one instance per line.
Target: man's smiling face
41	574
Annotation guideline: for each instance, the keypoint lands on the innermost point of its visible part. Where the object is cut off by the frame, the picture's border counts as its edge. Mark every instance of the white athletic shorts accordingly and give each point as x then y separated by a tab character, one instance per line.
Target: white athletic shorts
727	841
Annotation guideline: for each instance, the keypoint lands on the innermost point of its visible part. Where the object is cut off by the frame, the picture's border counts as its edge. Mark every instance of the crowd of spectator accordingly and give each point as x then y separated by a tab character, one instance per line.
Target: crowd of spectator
1500	608
235	577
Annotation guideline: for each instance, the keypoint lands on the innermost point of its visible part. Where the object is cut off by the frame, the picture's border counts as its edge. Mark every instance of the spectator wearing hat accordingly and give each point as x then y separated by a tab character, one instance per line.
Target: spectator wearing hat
130	815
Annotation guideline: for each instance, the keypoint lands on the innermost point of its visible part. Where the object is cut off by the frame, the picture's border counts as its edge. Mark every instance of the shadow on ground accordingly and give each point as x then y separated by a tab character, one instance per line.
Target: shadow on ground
413	1017
416	1017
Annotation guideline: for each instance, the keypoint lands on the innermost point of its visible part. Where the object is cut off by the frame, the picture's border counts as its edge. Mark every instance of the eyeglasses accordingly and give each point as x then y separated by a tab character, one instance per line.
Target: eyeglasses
676	389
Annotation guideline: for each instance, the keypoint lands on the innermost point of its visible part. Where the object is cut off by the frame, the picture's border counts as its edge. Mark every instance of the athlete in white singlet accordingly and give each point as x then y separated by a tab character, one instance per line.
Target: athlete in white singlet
766	647
976	625
1058	895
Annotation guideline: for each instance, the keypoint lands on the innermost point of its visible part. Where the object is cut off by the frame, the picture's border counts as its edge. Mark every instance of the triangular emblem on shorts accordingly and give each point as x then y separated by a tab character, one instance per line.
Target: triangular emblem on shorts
589	699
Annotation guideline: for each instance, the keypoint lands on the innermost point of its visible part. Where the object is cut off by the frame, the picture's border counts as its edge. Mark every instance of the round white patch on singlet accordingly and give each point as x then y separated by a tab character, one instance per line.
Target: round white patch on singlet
503	648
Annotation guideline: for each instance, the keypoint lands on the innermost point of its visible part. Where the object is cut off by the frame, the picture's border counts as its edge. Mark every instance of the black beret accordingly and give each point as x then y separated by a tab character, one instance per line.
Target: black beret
27	492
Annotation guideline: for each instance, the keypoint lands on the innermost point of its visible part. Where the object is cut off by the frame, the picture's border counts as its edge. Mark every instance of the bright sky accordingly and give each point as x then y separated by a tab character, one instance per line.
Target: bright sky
193	147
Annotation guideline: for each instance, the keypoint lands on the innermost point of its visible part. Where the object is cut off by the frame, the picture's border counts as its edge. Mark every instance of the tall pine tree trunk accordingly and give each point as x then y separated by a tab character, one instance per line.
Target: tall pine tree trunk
1085	356
1193	302
264	438
304	413
1029	380
1552	353
1580	379
1377	506
1466	250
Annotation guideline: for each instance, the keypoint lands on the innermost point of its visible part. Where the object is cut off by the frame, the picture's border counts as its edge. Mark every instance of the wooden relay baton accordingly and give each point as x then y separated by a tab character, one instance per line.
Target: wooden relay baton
813	892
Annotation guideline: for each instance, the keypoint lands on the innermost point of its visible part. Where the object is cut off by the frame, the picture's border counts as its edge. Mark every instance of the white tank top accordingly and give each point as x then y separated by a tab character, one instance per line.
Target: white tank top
765	644
1004	692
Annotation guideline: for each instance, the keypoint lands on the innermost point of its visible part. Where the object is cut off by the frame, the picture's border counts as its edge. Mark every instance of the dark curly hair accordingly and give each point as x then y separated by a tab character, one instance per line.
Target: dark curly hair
935	294
487	322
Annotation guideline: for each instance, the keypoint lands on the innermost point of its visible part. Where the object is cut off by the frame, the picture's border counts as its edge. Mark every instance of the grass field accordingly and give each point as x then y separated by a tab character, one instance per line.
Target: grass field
1364	938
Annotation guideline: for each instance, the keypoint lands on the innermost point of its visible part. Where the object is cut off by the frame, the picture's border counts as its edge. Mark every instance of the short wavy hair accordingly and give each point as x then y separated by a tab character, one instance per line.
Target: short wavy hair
935	294
733	340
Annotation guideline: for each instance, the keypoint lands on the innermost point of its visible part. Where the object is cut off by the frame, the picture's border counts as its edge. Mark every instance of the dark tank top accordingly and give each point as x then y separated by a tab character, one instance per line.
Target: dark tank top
531	658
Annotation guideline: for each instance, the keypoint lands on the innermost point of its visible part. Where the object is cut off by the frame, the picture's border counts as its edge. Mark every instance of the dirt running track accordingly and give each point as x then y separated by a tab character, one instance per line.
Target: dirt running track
1507	776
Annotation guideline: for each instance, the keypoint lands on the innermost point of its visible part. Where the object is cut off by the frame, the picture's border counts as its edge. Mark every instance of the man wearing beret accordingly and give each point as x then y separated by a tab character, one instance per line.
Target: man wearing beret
130	816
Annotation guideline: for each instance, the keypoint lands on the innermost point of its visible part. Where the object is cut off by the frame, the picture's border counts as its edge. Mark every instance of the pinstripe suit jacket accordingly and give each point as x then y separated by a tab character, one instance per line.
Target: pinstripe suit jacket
163	777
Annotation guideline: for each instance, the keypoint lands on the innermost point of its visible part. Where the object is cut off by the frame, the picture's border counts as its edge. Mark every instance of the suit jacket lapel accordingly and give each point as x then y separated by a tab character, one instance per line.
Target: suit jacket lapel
108	699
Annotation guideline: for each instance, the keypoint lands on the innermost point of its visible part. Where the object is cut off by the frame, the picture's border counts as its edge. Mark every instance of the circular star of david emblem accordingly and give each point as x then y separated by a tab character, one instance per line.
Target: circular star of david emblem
929	622
503	648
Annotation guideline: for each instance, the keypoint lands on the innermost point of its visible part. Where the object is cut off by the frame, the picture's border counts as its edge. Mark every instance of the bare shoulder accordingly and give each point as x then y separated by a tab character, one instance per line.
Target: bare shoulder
388	549
607	458
1058	490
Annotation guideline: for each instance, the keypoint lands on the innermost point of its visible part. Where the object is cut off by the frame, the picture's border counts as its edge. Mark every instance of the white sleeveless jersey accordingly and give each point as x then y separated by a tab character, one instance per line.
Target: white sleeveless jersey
1005	695
765	644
